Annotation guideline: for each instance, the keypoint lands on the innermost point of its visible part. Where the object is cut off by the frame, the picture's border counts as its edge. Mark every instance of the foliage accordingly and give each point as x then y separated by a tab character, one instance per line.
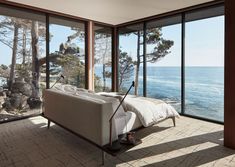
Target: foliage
23	72
161	49
68	61
126	68
3	67
103	56
162	46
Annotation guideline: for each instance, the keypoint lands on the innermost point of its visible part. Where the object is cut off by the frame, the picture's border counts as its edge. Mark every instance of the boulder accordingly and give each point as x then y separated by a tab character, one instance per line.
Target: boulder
24	104
34	102
1	91
7	104
22	87
15	100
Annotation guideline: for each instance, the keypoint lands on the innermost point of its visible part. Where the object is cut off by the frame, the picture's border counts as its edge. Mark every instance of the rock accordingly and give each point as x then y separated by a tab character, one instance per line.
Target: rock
15	100
34	102
24	104
7	104
1	91
22	87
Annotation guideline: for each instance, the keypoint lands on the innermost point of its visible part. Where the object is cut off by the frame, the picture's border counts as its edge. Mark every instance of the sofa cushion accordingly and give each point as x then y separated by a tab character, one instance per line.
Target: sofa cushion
115	102
115	95
84	93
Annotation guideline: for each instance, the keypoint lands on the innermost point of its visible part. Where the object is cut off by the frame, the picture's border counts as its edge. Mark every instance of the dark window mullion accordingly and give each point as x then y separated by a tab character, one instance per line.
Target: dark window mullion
144	62
47	52
183	64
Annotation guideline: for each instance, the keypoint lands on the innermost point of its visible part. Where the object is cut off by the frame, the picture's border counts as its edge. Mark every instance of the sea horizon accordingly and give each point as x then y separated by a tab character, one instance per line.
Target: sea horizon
204	88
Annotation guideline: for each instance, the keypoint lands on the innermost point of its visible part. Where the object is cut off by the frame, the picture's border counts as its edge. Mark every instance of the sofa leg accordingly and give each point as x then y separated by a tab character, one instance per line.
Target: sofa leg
173	119
48	124
103	157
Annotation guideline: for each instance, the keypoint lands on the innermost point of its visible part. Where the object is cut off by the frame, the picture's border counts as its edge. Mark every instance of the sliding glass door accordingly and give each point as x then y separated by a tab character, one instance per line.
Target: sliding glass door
22	63
131	58
102	58
163	57
67	51
184	61
204	64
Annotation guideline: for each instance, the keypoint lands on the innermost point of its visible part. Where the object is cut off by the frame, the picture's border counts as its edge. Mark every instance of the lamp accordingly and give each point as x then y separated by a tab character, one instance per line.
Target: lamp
61	76
116	147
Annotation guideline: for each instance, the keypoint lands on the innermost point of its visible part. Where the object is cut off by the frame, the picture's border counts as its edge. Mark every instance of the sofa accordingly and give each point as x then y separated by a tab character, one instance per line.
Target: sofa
87	114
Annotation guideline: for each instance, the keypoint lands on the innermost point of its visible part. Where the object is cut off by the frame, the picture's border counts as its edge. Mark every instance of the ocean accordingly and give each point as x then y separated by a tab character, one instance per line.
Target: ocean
204	89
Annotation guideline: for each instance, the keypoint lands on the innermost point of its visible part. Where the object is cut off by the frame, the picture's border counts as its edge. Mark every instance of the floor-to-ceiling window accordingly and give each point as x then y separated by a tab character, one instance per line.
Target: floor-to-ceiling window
67	51
184	60
22	63
102	58
204	63
163	58
131	58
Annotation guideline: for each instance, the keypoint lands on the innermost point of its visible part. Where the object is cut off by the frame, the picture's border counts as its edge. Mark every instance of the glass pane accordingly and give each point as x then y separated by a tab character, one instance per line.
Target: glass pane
131	59
22	63
164	61
204	71
103	59
67	52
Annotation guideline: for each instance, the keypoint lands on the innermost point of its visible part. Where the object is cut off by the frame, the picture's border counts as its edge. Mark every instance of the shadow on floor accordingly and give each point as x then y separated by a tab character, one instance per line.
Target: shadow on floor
31	142
194	157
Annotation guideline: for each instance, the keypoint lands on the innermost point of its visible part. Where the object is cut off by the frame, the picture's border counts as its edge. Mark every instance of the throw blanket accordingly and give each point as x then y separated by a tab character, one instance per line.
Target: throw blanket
149	111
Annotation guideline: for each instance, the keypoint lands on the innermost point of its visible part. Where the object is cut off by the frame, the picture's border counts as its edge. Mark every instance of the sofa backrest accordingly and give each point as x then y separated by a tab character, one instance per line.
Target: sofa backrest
84	115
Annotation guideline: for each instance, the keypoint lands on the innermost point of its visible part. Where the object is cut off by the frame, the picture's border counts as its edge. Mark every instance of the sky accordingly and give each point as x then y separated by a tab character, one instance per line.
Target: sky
60	34
204	44
204	41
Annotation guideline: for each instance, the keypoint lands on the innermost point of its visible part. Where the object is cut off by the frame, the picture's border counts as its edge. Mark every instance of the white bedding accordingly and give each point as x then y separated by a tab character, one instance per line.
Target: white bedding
150	111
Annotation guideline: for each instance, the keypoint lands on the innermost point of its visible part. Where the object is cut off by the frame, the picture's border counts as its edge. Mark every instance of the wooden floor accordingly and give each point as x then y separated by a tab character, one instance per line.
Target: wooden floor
191	143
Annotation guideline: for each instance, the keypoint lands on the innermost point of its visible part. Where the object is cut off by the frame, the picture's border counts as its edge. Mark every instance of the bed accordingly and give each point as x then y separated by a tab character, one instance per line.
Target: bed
152	112
87	114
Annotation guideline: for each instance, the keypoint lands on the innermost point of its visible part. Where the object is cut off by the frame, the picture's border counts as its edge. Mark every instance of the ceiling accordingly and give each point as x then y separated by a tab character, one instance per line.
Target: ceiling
111	11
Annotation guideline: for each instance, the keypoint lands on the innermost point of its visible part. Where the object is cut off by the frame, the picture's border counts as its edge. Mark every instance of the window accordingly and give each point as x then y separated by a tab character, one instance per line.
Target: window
67	51
204	63
22	62
103	58
131	58
163	57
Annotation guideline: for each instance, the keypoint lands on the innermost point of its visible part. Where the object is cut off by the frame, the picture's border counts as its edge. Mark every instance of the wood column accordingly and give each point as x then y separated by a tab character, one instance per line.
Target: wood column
229	86
90	55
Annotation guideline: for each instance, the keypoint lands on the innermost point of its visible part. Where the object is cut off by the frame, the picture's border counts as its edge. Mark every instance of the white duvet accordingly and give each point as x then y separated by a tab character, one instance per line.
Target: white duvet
150	111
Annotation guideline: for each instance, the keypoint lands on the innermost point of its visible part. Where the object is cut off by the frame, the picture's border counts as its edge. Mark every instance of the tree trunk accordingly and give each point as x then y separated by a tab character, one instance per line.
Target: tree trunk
35	59
13	60
104	66
137	64
104	77
24	46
